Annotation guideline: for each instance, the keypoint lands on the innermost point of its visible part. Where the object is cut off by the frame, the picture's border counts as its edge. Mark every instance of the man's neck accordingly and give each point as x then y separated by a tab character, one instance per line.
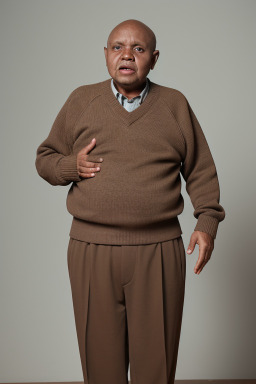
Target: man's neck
128	91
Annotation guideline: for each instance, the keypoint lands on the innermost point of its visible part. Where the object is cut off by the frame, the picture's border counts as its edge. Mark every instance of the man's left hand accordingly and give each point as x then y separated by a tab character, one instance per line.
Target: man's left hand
206	246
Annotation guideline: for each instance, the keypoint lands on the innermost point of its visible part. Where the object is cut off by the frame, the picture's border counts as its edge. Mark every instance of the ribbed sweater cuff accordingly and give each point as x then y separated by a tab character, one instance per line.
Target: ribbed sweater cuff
67	169
207	224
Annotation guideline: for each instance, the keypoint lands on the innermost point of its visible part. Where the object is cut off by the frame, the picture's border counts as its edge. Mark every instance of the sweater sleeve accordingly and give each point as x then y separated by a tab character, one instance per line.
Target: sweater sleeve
199	171
55	161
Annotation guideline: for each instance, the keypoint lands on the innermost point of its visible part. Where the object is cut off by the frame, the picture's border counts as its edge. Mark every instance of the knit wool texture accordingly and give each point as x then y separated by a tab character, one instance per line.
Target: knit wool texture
136	196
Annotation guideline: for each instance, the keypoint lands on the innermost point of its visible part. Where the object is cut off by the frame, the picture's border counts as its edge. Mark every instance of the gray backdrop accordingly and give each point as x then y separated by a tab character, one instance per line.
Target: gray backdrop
207	51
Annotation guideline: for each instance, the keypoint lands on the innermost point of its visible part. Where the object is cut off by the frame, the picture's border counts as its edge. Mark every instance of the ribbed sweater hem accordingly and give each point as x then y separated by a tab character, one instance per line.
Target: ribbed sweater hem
100	234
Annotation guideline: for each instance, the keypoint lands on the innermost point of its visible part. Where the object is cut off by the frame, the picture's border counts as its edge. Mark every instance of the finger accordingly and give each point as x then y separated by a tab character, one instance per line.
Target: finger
88	147
192	244
86	168
89	164
201	258
87	171
206	259
202	266
94	159
86	174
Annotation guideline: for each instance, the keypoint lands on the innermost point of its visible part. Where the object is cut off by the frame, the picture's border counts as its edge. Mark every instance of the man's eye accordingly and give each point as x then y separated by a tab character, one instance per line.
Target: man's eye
116	46
140	48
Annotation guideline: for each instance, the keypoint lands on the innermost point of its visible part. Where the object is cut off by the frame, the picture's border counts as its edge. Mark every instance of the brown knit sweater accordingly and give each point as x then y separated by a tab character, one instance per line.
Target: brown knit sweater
136	197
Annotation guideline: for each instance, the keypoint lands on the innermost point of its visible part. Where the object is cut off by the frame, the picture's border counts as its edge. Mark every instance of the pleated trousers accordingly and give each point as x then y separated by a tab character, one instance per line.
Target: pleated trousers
128	305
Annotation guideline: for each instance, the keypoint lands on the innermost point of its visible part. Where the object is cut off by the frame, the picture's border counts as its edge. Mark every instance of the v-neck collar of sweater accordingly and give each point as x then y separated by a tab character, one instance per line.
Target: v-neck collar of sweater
129	117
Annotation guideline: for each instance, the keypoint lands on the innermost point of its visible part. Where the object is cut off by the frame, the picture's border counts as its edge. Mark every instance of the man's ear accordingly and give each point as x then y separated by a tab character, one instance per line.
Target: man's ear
155	58
105	52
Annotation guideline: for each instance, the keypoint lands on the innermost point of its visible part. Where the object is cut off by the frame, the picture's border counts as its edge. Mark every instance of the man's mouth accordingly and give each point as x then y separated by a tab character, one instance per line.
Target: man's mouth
126	70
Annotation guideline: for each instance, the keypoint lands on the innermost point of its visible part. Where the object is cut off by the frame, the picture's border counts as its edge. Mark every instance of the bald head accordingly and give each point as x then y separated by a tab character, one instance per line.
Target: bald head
135	25
130	45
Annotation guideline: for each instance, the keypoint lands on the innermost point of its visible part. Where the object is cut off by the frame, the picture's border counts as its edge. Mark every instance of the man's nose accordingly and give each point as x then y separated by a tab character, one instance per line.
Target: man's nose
128	54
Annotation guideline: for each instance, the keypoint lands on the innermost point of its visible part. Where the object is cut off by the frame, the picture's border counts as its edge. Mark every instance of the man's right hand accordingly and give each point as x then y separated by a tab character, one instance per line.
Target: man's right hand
87	168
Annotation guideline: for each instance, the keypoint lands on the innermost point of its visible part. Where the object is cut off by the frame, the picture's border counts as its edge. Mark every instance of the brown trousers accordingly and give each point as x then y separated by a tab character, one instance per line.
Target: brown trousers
128	305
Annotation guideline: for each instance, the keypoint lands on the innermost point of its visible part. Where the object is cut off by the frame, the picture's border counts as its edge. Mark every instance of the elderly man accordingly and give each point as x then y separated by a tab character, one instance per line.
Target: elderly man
123	144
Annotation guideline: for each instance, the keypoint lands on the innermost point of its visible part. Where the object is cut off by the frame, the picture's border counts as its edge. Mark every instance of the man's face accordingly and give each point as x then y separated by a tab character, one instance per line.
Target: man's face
130	47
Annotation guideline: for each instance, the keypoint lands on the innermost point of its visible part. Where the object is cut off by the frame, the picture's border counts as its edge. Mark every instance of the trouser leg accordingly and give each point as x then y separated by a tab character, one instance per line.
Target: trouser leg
154	303
100	313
